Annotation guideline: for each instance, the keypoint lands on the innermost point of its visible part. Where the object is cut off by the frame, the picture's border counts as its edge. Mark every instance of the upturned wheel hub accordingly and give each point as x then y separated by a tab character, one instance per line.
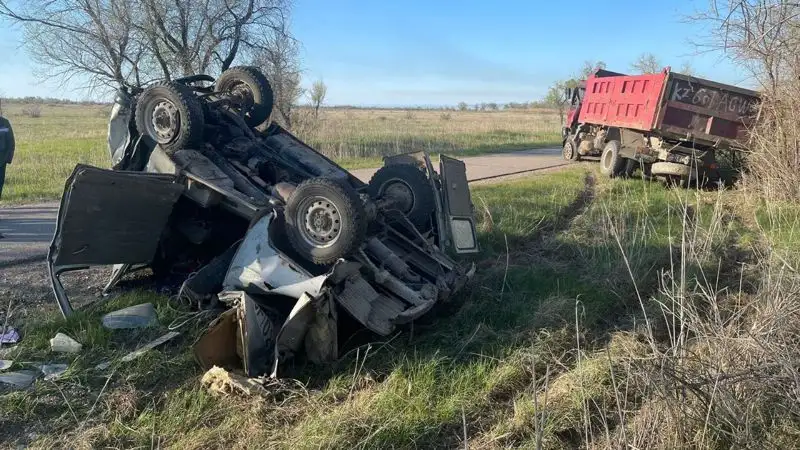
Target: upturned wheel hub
322	222
165	121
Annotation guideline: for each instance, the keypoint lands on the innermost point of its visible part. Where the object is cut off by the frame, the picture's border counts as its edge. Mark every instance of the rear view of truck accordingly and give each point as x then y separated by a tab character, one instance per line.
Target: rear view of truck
668	124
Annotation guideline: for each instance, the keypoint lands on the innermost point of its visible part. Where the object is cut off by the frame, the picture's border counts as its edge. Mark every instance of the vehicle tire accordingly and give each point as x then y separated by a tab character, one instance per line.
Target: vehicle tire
249	91
670	169
171	115
325	220
570	150
611	163
410	188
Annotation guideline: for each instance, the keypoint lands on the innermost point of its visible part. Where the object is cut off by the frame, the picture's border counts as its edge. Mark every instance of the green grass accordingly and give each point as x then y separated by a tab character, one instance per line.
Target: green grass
474	360
547	336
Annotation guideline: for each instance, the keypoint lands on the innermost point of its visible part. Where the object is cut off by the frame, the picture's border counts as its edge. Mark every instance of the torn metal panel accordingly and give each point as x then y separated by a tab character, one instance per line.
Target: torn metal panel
258	266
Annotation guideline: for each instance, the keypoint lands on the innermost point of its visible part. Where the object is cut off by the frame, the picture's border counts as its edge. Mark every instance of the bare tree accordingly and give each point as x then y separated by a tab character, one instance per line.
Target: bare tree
131	42
318	92
280	62
646	63
688	69
462	106
589	67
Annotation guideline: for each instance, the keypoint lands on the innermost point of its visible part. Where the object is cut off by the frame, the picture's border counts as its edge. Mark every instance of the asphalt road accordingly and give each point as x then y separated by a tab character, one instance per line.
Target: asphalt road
28	229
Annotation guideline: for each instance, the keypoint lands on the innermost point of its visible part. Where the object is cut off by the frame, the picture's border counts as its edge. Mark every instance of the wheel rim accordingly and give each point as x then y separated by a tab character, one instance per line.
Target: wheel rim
400	192
164	121
319	221
568	150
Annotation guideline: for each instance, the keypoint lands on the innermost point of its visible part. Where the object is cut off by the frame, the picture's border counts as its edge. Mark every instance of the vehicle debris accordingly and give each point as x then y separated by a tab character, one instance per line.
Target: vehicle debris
256	221
221	382
20	379
61	343
149	346
137	316
9	336
53	371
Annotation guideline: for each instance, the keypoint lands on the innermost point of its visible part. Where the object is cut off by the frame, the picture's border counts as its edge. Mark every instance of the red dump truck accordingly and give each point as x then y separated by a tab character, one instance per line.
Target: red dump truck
668	124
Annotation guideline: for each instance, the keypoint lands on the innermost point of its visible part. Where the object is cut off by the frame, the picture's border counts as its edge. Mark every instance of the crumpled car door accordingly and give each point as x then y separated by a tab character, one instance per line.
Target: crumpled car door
108	217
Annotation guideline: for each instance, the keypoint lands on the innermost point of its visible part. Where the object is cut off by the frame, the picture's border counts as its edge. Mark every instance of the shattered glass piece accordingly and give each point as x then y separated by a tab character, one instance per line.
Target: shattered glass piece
53	371
137	316
149	346
21	379
62	343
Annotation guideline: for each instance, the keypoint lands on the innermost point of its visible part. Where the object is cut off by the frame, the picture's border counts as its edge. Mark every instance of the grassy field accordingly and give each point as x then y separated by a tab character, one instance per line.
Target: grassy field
48	147
604	314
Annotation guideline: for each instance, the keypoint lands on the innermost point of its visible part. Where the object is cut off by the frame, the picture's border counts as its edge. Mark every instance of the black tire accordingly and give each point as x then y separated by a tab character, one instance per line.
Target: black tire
611	163
171	115
570	150
410	186
250	92
325	220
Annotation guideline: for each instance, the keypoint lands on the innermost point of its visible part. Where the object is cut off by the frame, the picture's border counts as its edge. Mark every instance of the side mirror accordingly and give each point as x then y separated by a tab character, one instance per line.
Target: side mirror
568	93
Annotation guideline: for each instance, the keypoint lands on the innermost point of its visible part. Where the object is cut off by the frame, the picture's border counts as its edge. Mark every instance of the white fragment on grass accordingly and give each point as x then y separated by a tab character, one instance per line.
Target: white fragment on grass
5	364
21	379
62	343
149	346
137	316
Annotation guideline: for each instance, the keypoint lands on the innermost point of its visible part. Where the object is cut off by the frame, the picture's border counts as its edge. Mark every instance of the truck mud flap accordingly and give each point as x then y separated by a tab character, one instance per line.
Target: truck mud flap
108	217
458	205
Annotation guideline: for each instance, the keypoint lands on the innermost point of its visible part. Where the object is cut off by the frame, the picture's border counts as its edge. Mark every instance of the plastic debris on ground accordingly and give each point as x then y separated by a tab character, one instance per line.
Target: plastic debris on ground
21	379
62	343
9	336
149	346
137	316
5	364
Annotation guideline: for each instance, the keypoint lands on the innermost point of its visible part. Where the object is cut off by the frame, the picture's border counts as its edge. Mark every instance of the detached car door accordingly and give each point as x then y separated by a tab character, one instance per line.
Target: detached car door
108	217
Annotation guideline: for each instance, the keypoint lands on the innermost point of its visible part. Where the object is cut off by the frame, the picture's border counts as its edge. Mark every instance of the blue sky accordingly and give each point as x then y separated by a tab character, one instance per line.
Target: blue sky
415	52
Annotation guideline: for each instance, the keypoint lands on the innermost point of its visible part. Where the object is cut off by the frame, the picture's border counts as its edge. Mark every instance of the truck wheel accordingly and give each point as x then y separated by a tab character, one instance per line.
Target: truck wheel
171	115
570	151
408	187
669	168
325	220
611	163
249	91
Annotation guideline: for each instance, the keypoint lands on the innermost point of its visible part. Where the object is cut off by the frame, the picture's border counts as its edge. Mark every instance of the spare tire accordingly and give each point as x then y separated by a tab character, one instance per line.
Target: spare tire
171	115
249	91
325	220
410	189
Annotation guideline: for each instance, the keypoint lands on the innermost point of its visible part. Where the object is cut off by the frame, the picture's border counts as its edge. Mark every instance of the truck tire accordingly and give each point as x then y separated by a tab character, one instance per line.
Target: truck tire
325	220
171	115
409	186
249	91
670	169
611	163
570	150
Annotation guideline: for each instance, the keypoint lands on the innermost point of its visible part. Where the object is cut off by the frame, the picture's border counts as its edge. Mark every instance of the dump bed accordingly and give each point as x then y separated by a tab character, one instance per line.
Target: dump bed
670	105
